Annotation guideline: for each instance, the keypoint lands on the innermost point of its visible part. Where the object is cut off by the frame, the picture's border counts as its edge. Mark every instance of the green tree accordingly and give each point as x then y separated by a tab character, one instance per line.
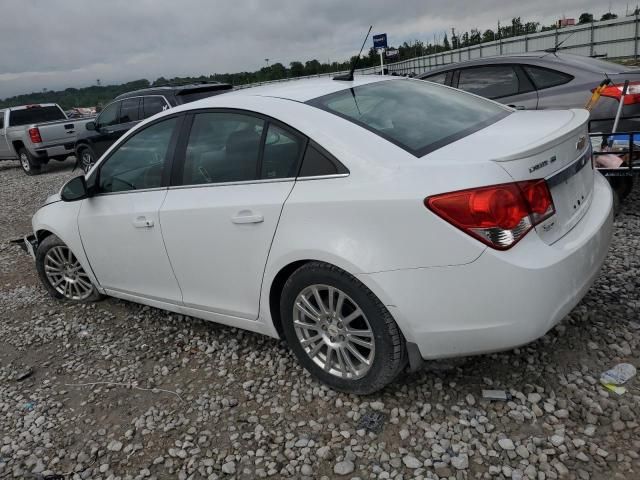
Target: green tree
608	16
488	36
585	18
445	43
312	67
296	69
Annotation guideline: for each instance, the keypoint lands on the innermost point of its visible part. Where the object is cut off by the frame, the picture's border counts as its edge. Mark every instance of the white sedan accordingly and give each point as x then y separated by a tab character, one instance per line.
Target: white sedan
372	223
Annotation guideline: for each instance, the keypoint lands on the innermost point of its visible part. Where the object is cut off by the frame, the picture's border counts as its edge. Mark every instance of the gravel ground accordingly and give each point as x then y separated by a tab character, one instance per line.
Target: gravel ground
118	390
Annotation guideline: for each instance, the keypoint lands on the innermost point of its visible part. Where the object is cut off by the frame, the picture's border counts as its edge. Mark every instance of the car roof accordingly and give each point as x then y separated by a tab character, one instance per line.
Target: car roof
176	89
305	89
557	60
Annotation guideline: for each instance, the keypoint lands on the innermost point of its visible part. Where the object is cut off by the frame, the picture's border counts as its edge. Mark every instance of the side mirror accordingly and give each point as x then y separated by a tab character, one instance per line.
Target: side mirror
74	189
91	126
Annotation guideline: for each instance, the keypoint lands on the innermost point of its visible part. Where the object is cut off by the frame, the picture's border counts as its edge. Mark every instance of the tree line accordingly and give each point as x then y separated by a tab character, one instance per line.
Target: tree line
97	95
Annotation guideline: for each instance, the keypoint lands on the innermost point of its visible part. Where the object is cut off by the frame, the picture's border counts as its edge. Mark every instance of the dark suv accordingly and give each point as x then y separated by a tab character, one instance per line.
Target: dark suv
132	107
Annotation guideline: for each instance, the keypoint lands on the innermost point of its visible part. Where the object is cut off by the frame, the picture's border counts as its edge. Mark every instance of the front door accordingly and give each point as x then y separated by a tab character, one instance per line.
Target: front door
218	224
120	224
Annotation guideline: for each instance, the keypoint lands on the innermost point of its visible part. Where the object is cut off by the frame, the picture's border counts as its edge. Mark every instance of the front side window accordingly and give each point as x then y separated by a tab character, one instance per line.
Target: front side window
110	115
129	111
138	163
417	116
222	147
490	82
545	78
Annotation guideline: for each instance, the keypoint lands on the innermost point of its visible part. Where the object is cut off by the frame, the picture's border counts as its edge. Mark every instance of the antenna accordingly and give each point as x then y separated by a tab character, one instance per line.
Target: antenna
349	76
558	45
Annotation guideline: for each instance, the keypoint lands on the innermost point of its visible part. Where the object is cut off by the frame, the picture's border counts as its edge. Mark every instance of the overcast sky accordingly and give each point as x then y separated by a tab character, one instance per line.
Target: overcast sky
57	44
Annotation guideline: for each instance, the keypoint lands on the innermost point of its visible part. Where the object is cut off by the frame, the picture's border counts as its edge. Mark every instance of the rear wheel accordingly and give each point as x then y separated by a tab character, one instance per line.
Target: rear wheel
28	162
339	330
62	273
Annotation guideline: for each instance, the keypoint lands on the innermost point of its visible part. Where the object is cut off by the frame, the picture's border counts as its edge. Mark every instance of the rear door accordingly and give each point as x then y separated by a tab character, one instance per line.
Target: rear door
504	83
219	218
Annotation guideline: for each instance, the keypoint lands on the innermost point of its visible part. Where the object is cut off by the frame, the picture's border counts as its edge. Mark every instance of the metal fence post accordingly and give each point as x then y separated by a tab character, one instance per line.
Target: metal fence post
592	40
635	37
526	43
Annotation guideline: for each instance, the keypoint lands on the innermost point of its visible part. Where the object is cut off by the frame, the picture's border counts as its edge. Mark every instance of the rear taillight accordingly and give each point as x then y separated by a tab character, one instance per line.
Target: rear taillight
615	91
34	134
498	215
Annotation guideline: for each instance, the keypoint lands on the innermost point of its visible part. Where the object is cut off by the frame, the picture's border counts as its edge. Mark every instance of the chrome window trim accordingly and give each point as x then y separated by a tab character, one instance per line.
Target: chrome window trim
264	180
106	194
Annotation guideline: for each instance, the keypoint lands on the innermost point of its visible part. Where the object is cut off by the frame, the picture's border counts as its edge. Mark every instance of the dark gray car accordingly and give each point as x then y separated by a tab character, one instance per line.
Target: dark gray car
539	80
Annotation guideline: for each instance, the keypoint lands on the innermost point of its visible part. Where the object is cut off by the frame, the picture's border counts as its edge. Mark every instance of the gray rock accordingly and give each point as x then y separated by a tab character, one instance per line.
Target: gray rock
344	468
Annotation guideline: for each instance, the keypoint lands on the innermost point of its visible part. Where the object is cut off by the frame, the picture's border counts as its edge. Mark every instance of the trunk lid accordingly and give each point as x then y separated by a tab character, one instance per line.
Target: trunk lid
555	147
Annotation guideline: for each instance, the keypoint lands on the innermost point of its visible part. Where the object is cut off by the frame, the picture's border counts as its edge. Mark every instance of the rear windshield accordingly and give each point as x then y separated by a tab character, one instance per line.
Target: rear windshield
35	115
187	96
418	116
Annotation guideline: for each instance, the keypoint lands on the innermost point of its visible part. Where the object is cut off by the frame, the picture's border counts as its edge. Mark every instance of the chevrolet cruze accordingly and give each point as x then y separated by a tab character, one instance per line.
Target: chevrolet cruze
372	223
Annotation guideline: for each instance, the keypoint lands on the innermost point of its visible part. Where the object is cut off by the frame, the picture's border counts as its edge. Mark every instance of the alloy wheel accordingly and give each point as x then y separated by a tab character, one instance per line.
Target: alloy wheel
86	160
334	331
24	161
66	275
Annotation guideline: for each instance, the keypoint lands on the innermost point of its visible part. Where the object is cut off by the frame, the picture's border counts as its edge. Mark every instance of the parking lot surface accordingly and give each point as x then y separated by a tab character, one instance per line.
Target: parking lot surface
119	390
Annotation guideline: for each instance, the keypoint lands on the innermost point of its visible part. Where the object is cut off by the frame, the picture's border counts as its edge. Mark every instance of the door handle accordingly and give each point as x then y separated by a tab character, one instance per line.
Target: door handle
142	222
517	107
247	216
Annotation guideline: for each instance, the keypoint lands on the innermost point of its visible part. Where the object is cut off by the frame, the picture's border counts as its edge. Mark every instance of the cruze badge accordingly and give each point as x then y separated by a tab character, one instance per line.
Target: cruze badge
540	165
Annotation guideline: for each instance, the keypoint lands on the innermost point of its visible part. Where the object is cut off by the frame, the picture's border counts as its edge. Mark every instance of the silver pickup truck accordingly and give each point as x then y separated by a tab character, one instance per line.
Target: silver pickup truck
34	134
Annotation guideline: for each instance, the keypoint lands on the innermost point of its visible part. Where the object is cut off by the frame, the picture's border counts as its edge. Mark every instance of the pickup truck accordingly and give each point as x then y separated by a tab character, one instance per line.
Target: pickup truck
34	134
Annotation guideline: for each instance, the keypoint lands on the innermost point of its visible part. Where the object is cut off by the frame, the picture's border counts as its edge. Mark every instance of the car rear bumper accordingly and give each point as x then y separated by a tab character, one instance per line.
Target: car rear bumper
502	299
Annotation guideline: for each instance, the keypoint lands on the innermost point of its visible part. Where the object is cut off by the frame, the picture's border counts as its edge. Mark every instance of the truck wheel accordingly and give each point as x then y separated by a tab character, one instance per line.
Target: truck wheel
29	164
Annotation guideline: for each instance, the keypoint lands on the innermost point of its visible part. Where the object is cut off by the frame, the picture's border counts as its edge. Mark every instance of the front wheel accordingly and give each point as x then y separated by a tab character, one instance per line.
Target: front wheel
62	274
339	330
30	165
87	158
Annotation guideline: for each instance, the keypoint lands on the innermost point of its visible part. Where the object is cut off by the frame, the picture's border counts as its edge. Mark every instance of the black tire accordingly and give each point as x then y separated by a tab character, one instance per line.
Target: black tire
86	158
47	245
30	165
622	186
389	357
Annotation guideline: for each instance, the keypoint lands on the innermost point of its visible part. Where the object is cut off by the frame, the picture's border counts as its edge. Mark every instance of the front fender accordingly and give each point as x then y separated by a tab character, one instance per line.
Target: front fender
61	219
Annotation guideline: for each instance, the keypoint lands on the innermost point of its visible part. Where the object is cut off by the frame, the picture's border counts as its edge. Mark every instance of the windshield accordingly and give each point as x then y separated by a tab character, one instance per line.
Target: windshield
415	115
38	114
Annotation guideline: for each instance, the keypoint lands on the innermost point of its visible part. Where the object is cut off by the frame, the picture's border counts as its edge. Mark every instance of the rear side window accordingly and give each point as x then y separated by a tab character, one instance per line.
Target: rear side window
438	78
318	162
153	105
415	115
490	82
35	115
282	150
545	78
1	120
130	110
222	147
